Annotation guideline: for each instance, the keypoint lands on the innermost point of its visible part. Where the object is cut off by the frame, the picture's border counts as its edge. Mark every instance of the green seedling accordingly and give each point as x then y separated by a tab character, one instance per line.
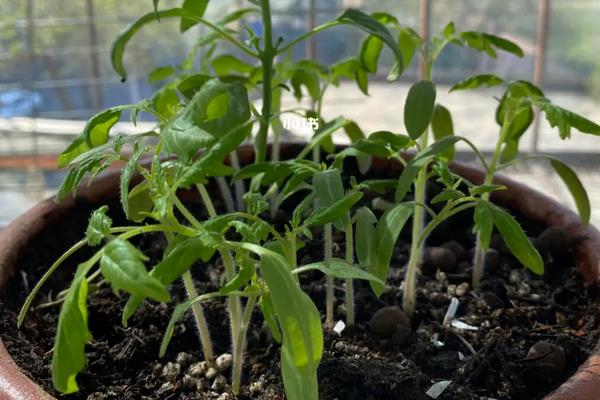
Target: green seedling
514	114
201	119
425	117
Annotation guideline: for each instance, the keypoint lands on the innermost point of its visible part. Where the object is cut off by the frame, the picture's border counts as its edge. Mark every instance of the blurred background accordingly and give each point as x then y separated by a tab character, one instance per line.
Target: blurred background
55	73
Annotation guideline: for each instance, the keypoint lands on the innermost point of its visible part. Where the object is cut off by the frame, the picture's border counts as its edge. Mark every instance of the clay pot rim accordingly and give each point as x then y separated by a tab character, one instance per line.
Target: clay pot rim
584	384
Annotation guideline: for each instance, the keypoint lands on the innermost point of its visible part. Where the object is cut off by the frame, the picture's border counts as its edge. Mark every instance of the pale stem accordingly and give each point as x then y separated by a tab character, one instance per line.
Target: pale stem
226	194
349	282
197	311
267	56
409	296
233	302
200	319
329	290
240	346
479	258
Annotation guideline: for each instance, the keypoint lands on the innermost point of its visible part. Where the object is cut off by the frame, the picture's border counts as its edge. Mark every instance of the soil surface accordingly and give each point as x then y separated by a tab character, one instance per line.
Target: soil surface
527	335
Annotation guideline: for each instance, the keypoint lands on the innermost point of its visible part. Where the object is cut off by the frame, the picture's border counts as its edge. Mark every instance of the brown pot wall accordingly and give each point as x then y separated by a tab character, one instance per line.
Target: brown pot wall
583	385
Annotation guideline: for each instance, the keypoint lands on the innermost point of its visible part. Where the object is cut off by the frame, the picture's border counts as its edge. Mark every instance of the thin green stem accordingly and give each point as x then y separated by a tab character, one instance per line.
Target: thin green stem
479	259
267	57
45	277
197	311
442	216
409	295
225	35
329	290
293	258
254	218
349	282
226	194
307	35
129	232
240	346
200	319
229	264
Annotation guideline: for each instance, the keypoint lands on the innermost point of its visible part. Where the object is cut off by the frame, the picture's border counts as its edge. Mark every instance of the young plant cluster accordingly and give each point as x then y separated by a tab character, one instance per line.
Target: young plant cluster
204	114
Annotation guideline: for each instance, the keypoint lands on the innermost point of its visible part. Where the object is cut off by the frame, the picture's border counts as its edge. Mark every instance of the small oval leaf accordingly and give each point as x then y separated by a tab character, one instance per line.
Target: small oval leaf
418	108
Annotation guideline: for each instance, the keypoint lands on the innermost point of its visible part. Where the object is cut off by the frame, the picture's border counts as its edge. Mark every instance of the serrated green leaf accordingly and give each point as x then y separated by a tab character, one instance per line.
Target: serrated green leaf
565	120
338	268
488	43
482	189
477	81
98	227
395	141
351	69
72	334
336	213
413	167
126	175
174	264
139	203
92	162
213	157
215	109
408	42
516	240
505	44
122	265
190	85
328	187
245	273
322	134
374	27
166	103
449	30
227	64
447	195
300	323
307	78
418	108
161	73
94	134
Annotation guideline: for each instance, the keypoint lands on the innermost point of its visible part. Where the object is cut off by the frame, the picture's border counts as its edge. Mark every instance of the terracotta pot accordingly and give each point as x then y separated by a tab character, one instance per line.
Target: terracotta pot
583	385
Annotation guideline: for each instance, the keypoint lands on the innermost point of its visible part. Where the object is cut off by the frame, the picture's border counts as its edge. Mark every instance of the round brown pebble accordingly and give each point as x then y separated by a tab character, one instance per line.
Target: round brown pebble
440	258
547	359
458	249
391	322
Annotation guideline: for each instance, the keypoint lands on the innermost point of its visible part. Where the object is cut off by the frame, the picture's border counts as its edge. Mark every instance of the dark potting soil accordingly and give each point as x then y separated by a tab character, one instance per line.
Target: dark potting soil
512	311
